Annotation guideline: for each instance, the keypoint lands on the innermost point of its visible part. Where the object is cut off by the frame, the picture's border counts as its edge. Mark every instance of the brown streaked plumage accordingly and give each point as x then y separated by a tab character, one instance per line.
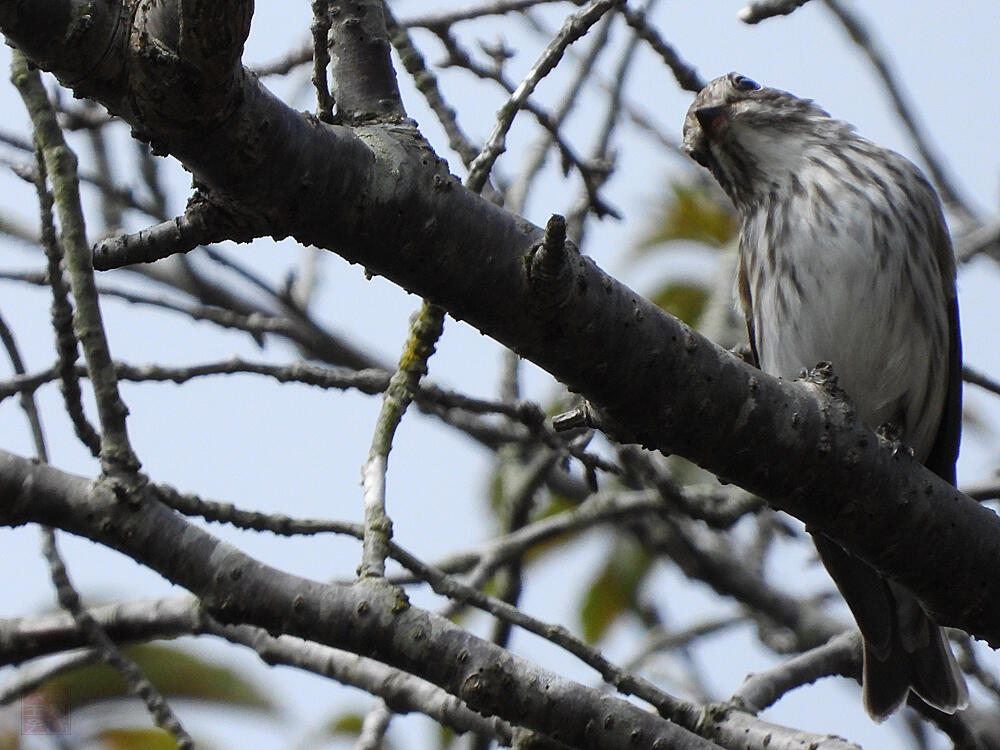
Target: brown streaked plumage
845	258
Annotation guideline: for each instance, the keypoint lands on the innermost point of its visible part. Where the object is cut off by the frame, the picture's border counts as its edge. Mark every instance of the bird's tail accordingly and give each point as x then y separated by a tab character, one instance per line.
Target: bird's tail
919	659
903	649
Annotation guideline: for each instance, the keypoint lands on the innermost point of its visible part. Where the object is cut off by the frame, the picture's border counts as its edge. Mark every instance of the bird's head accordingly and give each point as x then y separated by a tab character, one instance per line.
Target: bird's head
750	136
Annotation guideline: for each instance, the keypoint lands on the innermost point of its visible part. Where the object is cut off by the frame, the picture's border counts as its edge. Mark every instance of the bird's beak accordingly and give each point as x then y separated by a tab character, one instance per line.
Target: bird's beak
711	118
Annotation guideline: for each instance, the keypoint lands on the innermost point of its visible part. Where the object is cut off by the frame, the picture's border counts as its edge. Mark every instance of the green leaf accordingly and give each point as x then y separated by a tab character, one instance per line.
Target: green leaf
349	725
691	212
173	672
613	592
136	739
682	300
346	724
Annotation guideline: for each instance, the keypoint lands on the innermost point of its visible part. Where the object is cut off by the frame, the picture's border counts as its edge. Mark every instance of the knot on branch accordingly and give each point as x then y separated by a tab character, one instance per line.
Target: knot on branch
549	271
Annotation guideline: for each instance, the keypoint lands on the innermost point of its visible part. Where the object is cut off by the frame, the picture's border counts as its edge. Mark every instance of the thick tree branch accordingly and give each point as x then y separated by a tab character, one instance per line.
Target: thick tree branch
369	618
32	637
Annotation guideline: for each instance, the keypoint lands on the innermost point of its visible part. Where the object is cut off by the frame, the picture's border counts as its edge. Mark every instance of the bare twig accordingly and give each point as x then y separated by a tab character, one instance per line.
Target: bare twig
575	26
839	656
759	10
425	329
443	19
116	452
320	29
137	682
62	317
860	35
686	76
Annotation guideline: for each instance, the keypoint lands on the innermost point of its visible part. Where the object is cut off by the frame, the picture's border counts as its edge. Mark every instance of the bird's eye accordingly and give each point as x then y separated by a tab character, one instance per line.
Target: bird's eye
742	83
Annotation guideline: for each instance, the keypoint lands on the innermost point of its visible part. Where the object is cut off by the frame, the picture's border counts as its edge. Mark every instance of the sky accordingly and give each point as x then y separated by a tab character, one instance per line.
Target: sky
298	450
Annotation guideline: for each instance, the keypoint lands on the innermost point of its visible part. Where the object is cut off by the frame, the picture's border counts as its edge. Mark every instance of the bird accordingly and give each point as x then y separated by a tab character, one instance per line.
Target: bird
845	257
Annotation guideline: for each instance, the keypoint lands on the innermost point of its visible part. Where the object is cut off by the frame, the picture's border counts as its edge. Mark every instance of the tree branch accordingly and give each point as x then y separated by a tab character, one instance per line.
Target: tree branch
372	617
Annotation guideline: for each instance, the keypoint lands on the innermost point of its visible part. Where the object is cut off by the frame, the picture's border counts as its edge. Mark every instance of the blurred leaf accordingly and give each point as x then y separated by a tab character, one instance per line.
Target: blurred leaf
446	737
495	493
613	592
684	301
137	739
552	505
349	724
555	503
691	212
175	673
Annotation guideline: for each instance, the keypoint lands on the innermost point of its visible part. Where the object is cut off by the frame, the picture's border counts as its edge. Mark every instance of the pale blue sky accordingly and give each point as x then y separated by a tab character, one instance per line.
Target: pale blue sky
298	450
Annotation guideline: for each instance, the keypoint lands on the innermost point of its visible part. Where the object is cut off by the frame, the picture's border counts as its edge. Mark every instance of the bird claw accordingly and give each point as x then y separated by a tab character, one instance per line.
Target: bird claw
891	433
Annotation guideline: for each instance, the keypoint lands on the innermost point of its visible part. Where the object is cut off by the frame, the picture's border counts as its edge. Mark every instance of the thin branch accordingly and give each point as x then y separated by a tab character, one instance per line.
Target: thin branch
121	196
517	195
427	84
984	239
860	35
425	330
320	29
201	223
374	727
984	381
116	452
27	397
841	655
687	77
61	312
759	10
575	27
136	681
444	19
458	57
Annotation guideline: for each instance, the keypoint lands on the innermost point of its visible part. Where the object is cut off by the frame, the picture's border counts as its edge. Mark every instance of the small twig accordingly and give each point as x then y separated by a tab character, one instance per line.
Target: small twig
448	586
200	224
149	171
444	19
28	679
374	727
575	27
137	682
425	329
517	194
427	84
664	640
860	35
970	375
320	29
613	113
983	239
121	196
759	10
112	208
670	707
116	451
970	663
839	656
520	483
460	58
685	75
61	313
27	397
